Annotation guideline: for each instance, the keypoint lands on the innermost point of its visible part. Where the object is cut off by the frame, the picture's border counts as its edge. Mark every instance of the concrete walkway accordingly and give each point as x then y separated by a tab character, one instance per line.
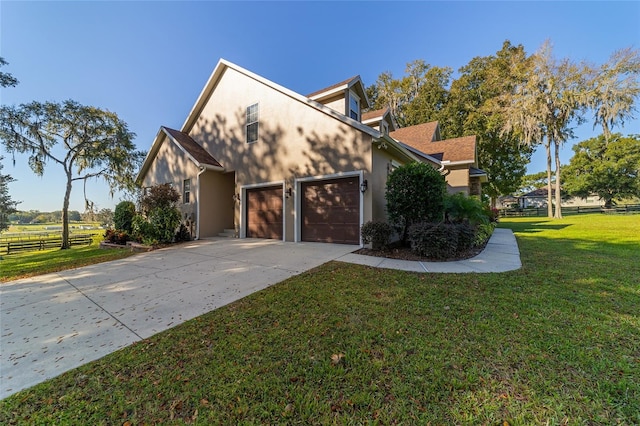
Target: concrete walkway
500	255
53	323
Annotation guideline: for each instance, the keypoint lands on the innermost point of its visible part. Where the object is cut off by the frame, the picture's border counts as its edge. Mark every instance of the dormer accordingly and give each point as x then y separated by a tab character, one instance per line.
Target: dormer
347	97
380	119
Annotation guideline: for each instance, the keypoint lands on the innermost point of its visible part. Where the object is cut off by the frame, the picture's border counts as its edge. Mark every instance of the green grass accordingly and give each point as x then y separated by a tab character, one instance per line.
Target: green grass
557	342
27	264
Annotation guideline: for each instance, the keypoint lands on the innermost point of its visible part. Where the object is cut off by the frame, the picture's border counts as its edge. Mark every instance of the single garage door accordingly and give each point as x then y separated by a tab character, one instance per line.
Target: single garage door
264	212
331	211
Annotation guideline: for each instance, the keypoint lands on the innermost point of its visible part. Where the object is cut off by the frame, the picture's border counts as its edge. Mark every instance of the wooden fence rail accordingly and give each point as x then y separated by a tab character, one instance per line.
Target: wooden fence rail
542	211
34	243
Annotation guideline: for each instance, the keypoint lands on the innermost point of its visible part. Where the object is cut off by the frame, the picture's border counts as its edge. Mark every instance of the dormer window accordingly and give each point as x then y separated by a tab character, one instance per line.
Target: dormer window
384	127
354	106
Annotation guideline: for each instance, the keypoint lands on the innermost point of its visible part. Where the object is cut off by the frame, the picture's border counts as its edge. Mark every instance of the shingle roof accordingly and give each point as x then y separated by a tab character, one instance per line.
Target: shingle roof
422	138
379	113
416	135
333	86
192	147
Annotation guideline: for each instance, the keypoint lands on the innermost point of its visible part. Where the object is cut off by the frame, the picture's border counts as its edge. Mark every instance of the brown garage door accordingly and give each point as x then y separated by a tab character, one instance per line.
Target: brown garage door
264	212
331	211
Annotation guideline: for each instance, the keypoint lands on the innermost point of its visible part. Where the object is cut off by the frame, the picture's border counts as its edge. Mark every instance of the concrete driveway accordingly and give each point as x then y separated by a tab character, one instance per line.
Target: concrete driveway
53	323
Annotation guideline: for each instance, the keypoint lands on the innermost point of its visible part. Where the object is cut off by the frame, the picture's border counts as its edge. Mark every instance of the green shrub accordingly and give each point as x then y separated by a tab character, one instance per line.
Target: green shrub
377	233
459	208
483	233
434	240
143	231
466	236
123	216
165	221
415	193
183	234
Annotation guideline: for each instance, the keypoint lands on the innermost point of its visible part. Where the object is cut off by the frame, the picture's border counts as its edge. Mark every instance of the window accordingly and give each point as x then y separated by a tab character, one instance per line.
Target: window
252	123
384	128
186	191
354	106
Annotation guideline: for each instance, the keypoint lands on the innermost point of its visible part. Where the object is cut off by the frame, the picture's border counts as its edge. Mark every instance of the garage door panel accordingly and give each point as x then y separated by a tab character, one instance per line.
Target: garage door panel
331	211
264	213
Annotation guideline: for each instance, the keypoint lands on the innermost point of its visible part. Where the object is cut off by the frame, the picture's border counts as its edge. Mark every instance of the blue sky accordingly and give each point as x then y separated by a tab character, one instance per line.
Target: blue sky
148	61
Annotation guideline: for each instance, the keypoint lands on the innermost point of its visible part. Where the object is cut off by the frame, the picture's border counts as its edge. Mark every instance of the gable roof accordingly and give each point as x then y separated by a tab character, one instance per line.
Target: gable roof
185	143
354	83
196	153
418	134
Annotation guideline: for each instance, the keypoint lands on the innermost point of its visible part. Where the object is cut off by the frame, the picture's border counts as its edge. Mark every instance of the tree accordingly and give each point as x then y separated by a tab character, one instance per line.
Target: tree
85	141
613	89
531	182
416	98
6	79
471	110
609	169
415	193
543	107
7	205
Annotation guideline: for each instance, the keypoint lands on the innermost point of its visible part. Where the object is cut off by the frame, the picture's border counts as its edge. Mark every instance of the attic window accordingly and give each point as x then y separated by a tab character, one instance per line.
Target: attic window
384	127
252	123
354	106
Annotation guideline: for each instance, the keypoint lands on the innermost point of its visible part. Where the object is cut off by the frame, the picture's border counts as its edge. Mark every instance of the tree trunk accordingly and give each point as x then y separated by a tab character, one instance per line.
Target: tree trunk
558	214
65	213
549	197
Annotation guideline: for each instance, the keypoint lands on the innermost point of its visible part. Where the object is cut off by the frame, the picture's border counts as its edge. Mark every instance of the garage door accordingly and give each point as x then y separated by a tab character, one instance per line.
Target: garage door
331	211
264	212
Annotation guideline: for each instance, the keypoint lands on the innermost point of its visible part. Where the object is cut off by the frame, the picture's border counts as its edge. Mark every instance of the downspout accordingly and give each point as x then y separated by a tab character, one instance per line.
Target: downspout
202	170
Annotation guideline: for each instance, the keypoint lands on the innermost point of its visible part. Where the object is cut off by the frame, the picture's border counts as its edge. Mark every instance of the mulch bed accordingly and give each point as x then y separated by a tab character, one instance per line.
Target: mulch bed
405	253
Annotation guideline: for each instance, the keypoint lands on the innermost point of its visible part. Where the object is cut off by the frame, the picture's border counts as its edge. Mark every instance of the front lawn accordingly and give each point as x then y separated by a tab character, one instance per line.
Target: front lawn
557	342
28	264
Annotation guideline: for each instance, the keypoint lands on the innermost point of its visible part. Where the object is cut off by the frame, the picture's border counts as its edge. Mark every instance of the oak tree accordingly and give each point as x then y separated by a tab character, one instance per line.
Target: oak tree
85	141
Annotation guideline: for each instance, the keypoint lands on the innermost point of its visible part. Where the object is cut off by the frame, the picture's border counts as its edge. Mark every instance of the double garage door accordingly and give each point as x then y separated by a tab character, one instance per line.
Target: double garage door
330	211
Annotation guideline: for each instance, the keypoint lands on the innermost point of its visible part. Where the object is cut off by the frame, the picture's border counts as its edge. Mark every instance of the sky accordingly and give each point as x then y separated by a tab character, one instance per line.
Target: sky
148	61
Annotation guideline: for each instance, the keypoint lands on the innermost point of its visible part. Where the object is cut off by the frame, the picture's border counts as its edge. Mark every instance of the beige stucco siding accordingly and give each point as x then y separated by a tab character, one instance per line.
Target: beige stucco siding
216	203
295	140
458	180
382	162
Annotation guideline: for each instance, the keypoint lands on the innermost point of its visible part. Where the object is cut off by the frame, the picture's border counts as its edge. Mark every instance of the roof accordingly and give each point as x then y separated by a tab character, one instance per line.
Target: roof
192	148
354	83
423	138
454	150
374	115
333	87
540	192
417	135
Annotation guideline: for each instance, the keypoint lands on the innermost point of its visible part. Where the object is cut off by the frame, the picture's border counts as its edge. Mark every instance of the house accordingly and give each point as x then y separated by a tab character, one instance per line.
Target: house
538	199
458	156
263	161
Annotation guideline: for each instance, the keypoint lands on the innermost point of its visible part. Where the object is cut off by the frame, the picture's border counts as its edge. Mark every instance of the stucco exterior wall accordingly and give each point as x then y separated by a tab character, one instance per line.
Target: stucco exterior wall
458	180
216	203
295	141
382	163
337	103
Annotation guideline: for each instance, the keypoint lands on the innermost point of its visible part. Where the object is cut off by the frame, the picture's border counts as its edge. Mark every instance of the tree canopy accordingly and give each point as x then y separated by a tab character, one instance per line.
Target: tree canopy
87	142
609	169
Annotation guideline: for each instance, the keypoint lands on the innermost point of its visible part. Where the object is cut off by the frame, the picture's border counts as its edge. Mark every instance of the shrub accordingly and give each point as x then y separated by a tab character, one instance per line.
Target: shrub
466	236
123	216
483	233
143	231
116	237
377	233
415	193
434	240
165	221
159	196
459	208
